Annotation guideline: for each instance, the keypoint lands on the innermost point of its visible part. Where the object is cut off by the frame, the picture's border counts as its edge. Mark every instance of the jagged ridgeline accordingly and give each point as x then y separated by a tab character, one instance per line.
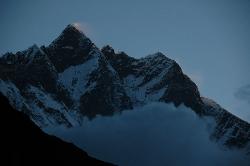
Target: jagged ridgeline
71	78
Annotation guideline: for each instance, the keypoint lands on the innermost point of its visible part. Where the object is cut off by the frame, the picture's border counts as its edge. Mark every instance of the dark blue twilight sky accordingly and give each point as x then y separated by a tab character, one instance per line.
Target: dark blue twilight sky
210	39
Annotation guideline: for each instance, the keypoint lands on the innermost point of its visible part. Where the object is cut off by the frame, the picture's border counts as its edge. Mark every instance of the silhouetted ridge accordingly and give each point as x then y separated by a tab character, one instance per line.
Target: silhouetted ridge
23	143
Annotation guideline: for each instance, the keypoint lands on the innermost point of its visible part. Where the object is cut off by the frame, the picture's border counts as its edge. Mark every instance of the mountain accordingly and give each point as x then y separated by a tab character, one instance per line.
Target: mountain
71	79
23	143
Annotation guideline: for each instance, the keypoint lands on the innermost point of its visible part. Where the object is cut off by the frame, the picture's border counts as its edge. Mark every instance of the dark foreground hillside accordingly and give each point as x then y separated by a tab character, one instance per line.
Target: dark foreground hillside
23	143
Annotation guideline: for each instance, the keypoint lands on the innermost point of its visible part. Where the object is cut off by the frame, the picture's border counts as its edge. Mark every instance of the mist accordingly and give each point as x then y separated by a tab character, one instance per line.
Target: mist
155	134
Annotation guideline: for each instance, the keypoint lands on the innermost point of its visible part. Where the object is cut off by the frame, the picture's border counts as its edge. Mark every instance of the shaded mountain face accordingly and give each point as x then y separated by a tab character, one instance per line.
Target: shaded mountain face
23	143
154	78
72	78
71	48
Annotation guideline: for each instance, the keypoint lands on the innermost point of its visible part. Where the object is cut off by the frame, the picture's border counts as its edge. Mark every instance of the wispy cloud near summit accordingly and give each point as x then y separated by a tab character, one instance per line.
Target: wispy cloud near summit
83	27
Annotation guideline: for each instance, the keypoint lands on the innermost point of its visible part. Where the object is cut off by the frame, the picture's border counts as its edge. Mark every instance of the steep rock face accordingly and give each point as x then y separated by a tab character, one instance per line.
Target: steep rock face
85	73
72	47
41	106
72	78
108	96
31	66
181	89
23	143
155	77
229	130
29	80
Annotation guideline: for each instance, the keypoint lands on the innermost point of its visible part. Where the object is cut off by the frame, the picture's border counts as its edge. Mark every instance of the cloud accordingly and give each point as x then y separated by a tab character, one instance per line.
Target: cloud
156	134
77	25
83	27
243	93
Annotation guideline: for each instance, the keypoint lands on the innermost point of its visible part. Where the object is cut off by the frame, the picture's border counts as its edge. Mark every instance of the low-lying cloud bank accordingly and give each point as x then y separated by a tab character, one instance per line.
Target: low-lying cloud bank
156	134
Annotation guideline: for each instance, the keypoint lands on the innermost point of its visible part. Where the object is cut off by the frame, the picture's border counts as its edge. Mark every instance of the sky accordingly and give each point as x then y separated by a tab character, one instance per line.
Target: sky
167	134
209	39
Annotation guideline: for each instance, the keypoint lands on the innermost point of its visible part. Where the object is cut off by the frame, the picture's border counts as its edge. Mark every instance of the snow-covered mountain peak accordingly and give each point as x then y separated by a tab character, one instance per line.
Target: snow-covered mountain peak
72	78
73	27
71	38
72	47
